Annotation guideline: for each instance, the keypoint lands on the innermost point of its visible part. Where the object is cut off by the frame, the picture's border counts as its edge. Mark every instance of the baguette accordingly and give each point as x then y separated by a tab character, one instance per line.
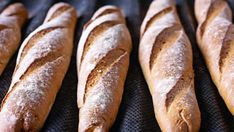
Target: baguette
102	65
165	55
215	36
42	62
11	22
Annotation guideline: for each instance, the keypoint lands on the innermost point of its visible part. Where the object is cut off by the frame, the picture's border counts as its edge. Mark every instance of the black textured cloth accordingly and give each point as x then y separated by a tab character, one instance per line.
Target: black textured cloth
136	110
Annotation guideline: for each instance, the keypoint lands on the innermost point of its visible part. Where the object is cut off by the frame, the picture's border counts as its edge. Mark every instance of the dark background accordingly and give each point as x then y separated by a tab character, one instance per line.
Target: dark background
136	110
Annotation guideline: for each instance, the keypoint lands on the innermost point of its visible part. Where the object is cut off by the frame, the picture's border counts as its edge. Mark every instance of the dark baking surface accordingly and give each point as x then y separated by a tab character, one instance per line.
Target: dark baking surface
136	110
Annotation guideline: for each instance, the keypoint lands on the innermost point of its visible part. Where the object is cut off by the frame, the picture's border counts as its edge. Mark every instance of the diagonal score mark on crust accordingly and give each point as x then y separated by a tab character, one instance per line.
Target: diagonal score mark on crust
2	27
215	8
58	12
167	36
14	14
99	13
156	17
92	127
104	12
36	64
227	46
112	57
95	33
107	11
36	37
182	83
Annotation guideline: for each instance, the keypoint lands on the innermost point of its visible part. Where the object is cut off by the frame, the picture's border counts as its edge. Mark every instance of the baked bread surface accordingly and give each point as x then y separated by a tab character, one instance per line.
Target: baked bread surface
102	65
11	21
215	36
42	62
165	55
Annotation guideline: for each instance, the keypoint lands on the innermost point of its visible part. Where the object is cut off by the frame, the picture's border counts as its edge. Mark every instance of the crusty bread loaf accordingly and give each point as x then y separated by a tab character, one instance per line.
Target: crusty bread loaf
102	65
42	62
215	36
11	22
165	55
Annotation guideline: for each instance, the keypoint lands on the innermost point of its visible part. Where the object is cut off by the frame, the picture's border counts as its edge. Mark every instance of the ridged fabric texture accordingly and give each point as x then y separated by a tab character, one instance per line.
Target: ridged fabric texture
136	110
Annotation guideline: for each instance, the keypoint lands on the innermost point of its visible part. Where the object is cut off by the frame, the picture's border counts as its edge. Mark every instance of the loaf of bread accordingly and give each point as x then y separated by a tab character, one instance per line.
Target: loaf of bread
215	36
42	62
102	65
11	22
165	55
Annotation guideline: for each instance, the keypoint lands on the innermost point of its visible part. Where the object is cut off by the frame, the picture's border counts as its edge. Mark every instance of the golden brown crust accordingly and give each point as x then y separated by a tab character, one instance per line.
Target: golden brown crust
165	55
102	65
215	36
42	62
11	22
